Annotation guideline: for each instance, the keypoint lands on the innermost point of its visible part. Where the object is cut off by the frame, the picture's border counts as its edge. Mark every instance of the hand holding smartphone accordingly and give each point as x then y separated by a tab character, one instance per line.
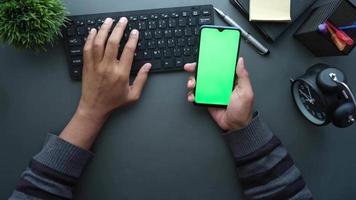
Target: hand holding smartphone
217	59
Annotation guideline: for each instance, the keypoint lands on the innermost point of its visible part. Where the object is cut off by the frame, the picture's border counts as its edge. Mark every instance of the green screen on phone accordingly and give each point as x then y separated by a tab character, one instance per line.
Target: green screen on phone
218	53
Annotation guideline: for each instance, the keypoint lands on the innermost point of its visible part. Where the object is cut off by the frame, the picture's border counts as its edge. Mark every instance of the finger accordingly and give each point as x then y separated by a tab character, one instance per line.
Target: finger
190	97
139	82
88	48
243	77
99	43
191	82
190	67
128	53
113	44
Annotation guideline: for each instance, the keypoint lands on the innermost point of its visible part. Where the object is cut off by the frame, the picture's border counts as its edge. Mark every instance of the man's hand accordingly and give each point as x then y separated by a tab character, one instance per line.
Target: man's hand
105	83
105	78
238	113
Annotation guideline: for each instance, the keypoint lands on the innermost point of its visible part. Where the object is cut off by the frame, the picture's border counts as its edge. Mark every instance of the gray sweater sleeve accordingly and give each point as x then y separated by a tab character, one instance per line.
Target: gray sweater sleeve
53	172
264	167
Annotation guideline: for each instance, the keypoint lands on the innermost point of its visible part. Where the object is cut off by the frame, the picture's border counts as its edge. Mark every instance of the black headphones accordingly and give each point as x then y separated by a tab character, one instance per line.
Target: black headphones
333	81
323	96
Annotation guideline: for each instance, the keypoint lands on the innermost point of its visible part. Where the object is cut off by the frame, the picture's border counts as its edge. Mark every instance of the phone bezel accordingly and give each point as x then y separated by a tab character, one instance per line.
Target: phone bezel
197	61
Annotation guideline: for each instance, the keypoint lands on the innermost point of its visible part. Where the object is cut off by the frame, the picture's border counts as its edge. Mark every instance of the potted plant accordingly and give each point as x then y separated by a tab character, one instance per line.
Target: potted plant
31	24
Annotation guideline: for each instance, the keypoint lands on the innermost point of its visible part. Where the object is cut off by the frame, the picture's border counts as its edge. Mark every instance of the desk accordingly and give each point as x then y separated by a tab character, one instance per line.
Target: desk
163	147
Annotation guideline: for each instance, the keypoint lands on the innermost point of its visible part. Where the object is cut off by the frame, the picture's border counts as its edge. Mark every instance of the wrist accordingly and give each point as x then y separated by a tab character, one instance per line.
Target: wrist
235	126
95	116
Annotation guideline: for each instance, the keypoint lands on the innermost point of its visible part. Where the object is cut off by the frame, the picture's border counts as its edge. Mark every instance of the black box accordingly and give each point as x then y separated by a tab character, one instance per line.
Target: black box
339	13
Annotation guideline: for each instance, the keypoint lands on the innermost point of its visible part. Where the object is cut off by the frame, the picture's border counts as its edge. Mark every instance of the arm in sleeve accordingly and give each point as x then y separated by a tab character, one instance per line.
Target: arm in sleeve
264	167
53	172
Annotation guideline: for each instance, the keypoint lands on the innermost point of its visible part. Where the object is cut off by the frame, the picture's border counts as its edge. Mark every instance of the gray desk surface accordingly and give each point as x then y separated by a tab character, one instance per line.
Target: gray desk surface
163	147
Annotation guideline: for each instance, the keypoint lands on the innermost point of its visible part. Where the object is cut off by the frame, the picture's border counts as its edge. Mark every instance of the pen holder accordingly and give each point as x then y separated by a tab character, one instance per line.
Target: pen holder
340	14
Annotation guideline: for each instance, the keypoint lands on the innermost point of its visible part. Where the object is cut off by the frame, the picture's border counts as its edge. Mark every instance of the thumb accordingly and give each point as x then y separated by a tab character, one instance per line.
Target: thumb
243	79
139	82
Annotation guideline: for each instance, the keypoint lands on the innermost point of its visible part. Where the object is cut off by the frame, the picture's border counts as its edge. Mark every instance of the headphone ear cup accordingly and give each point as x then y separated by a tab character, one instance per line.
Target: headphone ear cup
325	83
340	117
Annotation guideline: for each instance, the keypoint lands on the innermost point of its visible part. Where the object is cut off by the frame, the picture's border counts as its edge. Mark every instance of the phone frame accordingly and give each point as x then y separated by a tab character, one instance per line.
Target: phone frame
197	61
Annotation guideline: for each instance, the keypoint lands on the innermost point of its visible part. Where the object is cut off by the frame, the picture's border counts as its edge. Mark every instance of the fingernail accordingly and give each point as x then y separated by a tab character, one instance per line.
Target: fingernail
108	20
134	32
123	20
190	82
241	60
190	98
147	67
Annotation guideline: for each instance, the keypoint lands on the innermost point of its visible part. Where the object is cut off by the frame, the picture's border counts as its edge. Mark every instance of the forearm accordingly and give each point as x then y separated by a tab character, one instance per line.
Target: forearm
83	128
264	167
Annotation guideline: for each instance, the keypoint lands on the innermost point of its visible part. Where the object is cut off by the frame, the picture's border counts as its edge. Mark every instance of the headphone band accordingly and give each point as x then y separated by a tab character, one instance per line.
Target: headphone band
346	89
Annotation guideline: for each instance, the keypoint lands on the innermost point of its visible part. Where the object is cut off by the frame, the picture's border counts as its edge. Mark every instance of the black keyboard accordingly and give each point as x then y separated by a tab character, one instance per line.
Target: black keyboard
168	36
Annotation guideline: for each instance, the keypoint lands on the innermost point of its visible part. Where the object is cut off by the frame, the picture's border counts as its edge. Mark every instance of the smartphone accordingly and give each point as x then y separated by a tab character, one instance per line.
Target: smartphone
217	58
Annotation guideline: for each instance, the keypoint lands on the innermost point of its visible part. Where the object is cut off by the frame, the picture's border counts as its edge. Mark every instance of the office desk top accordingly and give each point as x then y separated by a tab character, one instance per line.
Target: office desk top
163	147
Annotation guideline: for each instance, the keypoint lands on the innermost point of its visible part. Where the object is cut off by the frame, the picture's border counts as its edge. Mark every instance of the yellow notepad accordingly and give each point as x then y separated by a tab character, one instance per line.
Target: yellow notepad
270	10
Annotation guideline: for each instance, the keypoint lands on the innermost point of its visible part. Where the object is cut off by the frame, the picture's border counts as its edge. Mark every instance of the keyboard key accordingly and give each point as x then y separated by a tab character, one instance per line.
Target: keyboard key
100	21
162	23
71	30
178	32
141	25
182	22
187	51
81	30
206	12
158	34
141	45
154	16
139	55
161	43
164	16
167	63
191	41
147	54
172	23
75	51
152	25
168	33
143	17
179	62
188	59
151	44
76	41
171	42
90	22
177	52
77	61
181	42
188	31
204	20
148	35
157	53
174	15
77	72
192	21
167	53
132	18
79	23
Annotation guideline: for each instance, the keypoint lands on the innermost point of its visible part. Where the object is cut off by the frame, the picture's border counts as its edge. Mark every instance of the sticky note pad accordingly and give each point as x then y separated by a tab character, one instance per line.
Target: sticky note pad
270	10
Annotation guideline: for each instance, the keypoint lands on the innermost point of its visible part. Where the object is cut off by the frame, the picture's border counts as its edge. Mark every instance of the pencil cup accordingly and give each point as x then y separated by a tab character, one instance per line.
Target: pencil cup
330	30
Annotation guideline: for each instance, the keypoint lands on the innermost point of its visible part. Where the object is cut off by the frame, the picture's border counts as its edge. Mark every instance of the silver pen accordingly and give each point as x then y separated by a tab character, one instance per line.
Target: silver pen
248	37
